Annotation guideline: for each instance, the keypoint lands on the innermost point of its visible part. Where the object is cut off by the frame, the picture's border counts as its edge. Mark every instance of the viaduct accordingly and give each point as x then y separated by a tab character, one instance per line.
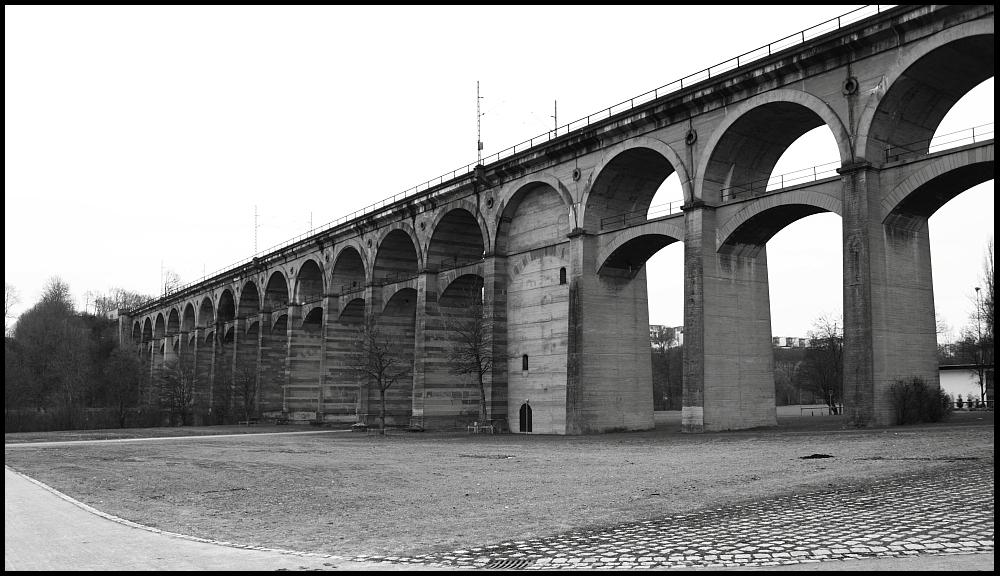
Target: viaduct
555	234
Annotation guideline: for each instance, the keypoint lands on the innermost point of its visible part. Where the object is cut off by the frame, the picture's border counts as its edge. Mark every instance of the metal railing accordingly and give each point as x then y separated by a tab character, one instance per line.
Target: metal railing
640	216
940	142
394	278
780	181
800	37
454	263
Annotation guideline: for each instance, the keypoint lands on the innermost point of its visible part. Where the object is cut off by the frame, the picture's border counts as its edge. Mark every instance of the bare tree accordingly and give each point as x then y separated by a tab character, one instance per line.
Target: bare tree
10	300
983	323
823	366
171	281
785	385
247	388
119	299
122	378
377	357
472	353
178	392
666	384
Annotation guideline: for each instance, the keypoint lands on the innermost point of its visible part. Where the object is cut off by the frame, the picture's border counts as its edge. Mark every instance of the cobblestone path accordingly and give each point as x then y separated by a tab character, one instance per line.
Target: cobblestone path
945	512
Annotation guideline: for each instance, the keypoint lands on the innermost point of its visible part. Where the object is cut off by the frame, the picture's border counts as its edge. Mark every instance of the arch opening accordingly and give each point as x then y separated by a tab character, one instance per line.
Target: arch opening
206	313
227	307
249	301
173	322
348	272
309	283
397	323
276	293
188	319
396	259
623	191
457	241
914	105
744	162
159	328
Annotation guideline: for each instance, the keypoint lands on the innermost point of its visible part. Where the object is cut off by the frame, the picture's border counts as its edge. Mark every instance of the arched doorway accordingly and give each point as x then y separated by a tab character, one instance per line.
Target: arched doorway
524	418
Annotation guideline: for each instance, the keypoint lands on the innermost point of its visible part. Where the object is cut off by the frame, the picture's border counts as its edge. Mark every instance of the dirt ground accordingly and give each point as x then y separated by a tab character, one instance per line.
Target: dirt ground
345	493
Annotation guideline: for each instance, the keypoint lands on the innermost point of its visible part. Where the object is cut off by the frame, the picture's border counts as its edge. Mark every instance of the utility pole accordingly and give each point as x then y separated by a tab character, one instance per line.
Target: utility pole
555	118
479	133
981	357
254	228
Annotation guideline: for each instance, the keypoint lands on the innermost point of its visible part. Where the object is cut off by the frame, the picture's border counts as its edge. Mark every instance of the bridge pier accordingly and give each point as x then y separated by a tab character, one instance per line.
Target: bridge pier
728	356
890	331
609	380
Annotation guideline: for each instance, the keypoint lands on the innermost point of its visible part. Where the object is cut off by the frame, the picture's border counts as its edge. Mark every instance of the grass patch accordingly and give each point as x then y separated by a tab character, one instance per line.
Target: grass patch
345	493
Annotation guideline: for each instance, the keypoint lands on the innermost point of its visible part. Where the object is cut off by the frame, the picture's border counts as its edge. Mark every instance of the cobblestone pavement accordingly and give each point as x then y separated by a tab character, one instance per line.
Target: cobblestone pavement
946	512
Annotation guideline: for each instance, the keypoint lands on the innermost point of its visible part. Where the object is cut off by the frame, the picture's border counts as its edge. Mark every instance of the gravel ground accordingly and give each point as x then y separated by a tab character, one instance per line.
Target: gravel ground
346	493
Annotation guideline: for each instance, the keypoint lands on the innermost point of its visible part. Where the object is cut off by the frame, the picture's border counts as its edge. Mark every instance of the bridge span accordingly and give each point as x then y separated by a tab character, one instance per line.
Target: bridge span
555	236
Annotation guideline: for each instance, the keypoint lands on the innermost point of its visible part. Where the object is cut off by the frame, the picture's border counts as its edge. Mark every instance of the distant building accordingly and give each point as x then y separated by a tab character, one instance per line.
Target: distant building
964	379
790	342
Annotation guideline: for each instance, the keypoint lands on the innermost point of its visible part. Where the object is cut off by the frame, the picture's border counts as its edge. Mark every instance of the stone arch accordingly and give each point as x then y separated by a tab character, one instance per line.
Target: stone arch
636	165
353	312
312	321
397	256
159	326
747	144
308	282
630	250
249	300
348	271
528	218
136	331
206	312
458	237
746	233
227	306
468	206
280	324
509	203
276	292
147	329
188	318
173	322
954	60
915	199
461	289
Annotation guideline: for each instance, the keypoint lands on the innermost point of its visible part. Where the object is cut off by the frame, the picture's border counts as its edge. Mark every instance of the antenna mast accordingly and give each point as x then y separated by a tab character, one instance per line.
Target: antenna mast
254	228
555	118
479	134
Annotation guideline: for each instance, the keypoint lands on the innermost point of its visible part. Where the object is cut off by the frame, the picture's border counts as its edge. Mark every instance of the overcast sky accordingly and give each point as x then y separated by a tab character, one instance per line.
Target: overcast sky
139	139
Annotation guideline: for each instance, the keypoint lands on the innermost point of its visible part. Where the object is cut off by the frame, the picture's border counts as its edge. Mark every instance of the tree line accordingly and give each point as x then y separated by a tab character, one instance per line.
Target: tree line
64	369
807	375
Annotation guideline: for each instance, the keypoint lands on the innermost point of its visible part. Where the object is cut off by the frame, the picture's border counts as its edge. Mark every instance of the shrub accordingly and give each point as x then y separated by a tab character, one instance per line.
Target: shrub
915	401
